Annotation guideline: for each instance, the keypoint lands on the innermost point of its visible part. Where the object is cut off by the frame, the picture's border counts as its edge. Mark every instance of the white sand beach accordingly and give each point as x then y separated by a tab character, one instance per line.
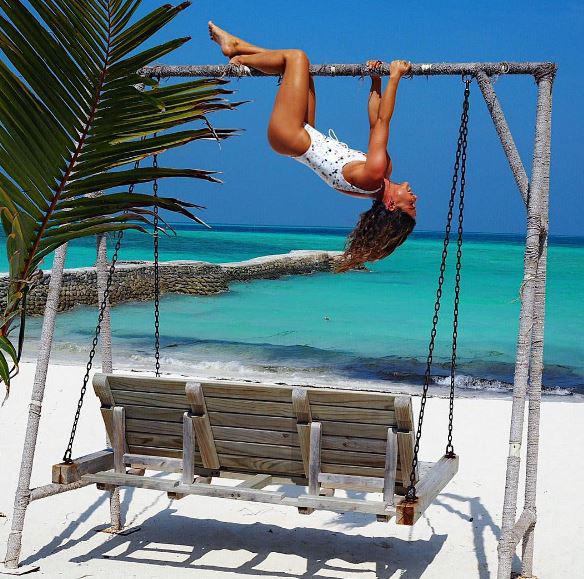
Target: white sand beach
214	538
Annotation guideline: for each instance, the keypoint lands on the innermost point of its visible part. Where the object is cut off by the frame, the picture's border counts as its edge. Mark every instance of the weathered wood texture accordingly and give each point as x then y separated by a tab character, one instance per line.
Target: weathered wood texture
357	70
427	489
257	428
176	489
65	473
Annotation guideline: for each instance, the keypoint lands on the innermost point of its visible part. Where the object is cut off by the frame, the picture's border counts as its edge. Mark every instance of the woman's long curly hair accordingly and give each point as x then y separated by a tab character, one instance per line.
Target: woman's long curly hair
378	233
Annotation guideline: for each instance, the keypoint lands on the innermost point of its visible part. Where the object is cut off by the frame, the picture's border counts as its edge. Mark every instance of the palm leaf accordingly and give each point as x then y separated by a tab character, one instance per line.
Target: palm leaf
74	114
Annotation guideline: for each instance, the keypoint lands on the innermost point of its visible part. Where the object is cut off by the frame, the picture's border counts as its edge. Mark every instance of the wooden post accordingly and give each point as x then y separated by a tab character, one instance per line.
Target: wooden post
537	340
202	424
119	439
105	337
533	282
22	496
301	406
188	469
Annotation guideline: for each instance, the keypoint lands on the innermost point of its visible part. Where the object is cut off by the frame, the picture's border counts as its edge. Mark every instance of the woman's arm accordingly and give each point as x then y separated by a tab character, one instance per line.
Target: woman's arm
377	158
374	93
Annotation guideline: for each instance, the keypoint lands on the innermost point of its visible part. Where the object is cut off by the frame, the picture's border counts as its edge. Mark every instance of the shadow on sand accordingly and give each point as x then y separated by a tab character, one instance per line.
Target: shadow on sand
170	540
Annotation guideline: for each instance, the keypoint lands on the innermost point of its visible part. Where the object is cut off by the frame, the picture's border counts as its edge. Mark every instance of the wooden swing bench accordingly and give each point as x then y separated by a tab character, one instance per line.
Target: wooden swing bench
324	439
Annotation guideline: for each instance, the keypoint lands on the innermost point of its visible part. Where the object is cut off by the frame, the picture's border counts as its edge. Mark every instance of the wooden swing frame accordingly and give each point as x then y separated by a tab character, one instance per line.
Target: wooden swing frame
529	353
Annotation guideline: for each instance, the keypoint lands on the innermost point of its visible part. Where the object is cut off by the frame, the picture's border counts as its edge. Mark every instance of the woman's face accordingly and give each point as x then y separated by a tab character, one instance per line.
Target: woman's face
402	197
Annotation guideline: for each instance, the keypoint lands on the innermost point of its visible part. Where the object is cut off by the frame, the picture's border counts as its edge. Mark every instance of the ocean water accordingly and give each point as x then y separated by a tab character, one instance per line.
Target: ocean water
361	328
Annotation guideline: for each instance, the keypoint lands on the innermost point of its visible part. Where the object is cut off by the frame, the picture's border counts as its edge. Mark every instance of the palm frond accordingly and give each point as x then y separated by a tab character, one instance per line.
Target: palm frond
73	113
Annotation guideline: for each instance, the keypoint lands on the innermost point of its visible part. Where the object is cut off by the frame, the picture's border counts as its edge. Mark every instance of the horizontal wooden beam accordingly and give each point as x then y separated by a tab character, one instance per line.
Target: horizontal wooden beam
67	473
242	493
357	70
427	489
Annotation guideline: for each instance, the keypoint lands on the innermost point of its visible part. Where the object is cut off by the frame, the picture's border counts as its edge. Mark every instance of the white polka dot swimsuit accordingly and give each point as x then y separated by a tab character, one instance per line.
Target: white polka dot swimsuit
327	156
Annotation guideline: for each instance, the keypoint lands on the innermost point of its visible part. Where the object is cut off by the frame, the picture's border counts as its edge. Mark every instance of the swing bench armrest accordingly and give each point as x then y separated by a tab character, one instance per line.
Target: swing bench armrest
427	489
67	473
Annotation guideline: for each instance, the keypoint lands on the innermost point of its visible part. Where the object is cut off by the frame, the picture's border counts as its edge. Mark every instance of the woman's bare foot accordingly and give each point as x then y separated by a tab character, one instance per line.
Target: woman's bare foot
226	41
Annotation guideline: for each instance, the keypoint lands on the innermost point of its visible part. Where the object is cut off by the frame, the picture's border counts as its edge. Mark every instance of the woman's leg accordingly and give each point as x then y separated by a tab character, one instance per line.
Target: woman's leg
311	108
295	101
286	132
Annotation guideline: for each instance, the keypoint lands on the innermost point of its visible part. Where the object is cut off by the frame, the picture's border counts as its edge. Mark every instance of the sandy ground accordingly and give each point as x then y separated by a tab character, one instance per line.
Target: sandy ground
212	538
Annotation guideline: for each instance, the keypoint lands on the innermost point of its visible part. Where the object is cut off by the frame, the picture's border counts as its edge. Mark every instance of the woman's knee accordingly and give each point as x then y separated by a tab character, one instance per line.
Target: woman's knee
287	141
298	56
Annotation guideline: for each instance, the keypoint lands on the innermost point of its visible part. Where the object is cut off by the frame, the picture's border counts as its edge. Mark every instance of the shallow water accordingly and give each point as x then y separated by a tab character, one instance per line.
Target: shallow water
366	328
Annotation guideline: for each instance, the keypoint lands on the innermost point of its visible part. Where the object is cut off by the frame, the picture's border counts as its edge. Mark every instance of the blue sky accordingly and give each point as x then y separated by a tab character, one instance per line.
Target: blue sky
261	187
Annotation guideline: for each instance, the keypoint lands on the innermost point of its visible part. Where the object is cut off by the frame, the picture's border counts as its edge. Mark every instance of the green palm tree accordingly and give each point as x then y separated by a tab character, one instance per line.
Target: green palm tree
74	114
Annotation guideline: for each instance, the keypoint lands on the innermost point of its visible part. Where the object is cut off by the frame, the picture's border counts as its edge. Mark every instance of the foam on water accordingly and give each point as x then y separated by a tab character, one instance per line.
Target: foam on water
361	328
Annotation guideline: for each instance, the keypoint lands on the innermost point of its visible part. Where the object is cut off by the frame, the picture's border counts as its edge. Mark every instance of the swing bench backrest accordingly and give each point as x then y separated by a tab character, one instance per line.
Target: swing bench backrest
261	428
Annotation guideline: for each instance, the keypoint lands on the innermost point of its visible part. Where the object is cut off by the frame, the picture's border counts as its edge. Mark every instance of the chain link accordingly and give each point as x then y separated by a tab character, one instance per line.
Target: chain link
95	341
156	276
460	156
449	445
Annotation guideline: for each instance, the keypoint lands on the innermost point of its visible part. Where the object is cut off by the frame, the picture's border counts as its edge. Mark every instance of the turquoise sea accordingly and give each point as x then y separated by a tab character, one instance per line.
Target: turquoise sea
358	328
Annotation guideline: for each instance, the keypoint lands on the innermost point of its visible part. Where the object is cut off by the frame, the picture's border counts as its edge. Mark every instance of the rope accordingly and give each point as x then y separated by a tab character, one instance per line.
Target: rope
459	167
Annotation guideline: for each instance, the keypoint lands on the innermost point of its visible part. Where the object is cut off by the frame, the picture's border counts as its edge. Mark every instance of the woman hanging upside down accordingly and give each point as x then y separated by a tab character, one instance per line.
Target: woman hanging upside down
392	217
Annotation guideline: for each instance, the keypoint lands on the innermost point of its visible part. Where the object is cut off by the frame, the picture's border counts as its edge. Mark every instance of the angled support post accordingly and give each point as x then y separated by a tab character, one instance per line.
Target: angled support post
102	272
504	133
23	492
529	355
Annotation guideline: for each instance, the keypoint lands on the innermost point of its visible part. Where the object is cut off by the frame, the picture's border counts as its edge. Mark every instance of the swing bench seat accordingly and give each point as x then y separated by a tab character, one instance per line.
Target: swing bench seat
262	435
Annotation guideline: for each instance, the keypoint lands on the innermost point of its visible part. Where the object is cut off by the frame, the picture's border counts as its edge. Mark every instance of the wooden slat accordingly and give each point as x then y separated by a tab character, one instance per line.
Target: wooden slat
153	462
247	421
259	481
405	445
272	431
188	470
360	415
197	402
352	398
348	482
261	450
151	399
263	465
207	446
272	409
404	416
108	421
294	453
67	473
239	406
155	414
102	390
251	391
153	427
304	445
315	458
119	439
427	489
345	505
390	467
301	405
229	389
255	435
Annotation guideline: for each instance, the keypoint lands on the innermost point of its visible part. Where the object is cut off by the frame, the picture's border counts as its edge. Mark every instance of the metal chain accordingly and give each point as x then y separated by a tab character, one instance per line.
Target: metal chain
461	147
94	343
449	446
156	276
